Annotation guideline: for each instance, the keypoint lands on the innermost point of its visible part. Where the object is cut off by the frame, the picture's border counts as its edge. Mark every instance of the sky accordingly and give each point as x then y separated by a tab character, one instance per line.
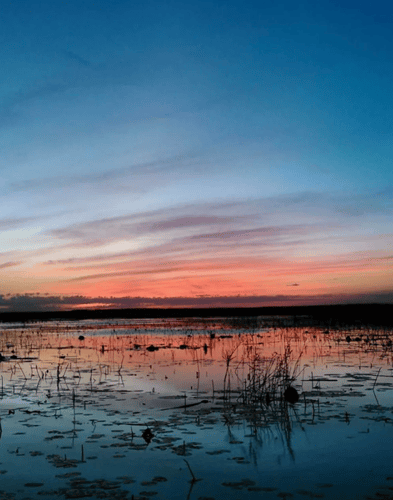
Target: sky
171	153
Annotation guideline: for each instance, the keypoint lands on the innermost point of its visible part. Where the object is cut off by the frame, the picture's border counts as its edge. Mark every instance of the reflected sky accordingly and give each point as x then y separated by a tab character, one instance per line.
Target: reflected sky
77	396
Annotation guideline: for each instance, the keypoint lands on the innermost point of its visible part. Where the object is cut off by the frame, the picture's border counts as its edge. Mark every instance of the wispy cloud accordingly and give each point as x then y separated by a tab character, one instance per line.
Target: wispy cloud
13	223
204	265
10	111
263	234
135	178
240	246
235	219
157	221
10	264
75	57
184	222
204	229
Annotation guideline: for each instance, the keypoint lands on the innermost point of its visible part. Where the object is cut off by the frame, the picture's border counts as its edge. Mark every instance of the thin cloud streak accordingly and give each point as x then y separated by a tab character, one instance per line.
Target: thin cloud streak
141	175
13	223
10	112
10	264
237	213
268	266
75	57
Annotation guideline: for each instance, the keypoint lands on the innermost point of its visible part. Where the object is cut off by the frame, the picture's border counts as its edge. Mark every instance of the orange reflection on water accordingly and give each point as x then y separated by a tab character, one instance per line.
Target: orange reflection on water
162	358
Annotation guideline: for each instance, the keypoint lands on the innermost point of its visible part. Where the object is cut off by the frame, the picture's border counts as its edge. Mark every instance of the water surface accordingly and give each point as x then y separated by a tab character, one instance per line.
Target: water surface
122	408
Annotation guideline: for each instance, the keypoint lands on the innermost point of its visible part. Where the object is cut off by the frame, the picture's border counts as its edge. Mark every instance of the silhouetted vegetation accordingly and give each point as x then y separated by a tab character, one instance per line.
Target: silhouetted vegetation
331	316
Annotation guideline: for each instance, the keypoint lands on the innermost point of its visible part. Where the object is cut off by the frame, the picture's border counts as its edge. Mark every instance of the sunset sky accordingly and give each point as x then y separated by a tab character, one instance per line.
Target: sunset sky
178	153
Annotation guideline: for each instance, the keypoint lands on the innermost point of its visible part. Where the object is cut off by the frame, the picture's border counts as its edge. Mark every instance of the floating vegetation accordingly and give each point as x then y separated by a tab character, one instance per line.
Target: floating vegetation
239	485
62	462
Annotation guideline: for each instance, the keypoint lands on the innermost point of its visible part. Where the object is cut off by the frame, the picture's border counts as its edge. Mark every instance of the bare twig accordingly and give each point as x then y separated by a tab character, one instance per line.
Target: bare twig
376	378
194	479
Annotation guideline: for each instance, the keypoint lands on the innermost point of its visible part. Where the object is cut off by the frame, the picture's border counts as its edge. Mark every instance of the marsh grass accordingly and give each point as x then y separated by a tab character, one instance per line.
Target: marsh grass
269	378
266	394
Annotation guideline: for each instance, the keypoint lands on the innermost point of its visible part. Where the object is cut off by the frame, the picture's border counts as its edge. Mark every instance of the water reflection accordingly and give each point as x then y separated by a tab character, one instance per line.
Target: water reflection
253	399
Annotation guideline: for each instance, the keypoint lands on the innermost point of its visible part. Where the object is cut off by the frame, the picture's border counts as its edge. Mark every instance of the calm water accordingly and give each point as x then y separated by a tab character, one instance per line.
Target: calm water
113	409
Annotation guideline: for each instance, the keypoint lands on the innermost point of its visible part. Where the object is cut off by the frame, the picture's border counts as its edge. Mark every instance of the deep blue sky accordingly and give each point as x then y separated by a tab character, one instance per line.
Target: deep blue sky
275	115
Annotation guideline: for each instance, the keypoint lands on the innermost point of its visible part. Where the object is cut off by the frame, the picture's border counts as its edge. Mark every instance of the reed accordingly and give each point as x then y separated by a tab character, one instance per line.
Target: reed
268	379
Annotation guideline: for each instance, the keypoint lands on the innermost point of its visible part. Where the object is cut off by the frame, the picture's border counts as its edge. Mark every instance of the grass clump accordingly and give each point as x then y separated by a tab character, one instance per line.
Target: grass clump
271	379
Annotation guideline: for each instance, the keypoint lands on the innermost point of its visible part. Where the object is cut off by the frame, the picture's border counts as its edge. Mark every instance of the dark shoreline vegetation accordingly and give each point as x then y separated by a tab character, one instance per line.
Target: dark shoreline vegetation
324	315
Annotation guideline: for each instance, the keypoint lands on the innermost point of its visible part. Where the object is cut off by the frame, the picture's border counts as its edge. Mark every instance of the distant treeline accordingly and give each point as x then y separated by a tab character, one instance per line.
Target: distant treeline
329	315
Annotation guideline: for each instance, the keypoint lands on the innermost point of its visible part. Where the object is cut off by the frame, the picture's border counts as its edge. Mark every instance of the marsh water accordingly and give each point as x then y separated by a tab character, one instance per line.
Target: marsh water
160	409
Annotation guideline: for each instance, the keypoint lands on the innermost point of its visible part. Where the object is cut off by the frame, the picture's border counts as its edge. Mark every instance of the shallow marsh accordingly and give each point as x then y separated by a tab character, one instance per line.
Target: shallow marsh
157	409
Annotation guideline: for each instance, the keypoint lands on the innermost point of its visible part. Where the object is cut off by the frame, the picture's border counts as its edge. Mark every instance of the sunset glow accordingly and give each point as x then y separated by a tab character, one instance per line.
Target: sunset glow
172	154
